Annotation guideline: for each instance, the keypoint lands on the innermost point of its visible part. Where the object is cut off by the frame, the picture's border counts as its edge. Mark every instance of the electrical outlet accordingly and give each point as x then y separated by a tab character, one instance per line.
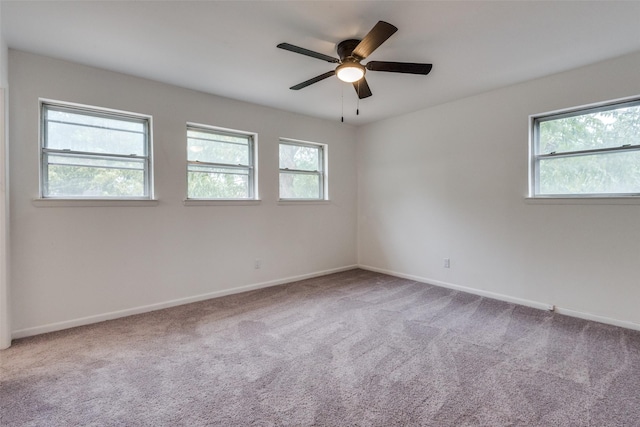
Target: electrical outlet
447	263
257	264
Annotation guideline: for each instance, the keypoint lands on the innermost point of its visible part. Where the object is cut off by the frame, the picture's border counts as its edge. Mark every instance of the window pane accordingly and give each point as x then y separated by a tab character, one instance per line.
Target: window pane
615	172
300	157
223	148
82	132
300	186
218	148
601	129
218	183
86	177
93	141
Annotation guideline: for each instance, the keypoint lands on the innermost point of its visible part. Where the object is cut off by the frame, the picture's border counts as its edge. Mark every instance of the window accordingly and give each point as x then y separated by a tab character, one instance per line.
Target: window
220	163
586	152
302	170
87	152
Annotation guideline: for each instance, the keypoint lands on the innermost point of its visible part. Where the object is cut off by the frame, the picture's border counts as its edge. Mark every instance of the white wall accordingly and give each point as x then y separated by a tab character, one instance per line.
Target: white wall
444	182
4	70
77	264
5	327
450	181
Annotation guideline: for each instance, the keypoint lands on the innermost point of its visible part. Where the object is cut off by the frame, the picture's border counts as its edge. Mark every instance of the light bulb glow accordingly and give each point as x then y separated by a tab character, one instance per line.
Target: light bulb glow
350	72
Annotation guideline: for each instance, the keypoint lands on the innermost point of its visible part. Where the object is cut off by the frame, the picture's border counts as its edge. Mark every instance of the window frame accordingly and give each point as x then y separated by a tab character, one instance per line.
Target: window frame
44	152
322	173
252	167
535	156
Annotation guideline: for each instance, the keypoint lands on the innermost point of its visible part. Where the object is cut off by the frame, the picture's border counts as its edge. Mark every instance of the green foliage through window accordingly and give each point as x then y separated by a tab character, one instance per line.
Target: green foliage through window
302	171
220	164
593	151
92	153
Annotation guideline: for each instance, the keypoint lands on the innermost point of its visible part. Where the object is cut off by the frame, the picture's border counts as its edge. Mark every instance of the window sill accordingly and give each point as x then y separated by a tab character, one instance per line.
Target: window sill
288	202
631	200
220	202
90	203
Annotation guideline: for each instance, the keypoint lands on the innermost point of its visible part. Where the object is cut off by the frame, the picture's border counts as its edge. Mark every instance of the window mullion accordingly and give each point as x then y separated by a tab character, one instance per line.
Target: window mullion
218	165
300	171
88	154
589	152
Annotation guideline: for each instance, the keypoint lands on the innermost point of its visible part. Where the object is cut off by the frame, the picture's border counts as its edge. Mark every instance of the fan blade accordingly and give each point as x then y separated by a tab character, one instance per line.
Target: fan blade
378	35
362	88
399	67
303	51
313	80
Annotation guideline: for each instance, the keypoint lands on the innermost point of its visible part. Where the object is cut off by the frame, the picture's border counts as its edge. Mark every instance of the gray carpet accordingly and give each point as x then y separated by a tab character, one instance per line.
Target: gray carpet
349	349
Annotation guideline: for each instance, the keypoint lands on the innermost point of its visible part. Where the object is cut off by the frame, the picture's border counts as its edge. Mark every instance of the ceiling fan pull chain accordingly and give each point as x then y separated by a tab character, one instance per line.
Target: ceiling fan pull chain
358	103
342	89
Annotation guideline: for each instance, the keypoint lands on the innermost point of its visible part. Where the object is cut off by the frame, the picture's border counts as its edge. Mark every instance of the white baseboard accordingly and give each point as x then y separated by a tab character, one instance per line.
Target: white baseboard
507	298
51	327
599	319
493	295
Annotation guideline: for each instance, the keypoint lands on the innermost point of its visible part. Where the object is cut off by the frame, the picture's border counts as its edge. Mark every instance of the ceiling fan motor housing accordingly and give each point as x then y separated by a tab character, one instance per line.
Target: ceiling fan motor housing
345	50
351	53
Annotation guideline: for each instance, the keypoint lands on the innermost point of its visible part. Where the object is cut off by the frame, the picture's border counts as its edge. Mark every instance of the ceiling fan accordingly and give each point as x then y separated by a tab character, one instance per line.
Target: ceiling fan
351	52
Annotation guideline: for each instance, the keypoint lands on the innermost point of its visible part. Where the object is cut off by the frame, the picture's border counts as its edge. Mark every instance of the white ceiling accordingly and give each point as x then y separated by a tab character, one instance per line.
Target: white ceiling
228	48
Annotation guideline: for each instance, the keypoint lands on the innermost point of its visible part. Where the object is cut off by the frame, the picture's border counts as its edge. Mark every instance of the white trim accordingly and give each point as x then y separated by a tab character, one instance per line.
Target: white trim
514	300
552	200
86	107
5	317
51	327
493	295
221	129
84	203
588	106
599	319
301	142
293	202
221	202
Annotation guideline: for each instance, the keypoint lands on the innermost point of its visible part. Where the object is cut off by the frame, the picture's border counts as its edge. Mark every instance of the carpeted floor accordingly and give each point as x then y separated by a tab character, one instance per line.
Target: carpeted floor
349	349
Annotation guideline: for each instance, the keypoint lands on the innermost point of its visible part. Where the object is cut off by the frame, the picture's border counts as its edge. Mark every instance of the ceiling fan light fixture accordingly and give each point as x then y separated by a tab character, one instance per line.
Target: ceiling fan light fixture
351	52
350	72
